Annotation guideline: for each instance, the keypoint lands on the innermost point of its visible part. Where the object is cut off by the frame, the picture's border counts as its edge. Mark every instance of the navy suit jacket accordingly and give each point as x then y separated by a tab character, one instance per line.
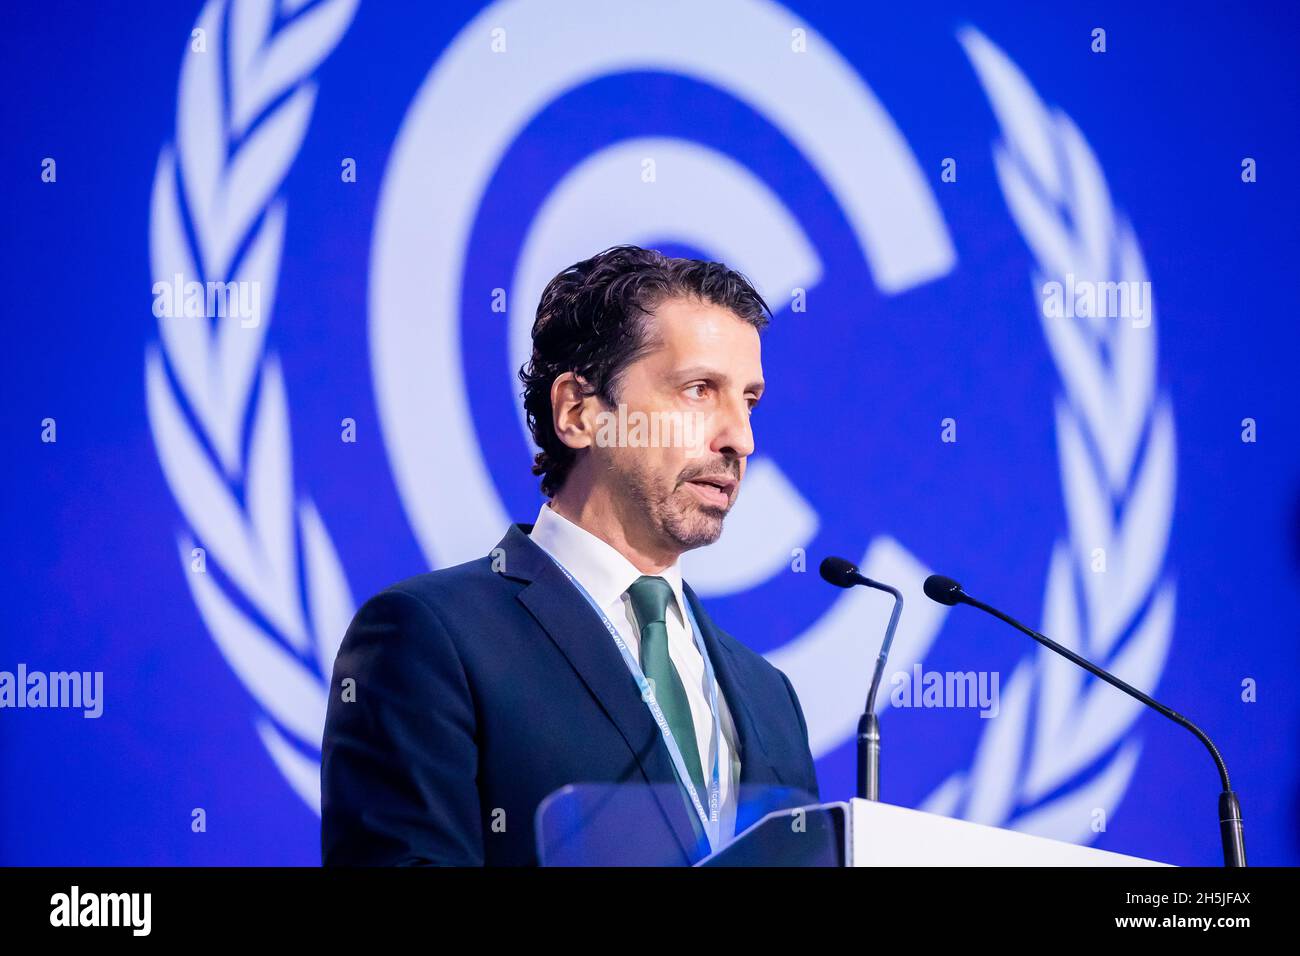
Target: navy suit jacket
478	692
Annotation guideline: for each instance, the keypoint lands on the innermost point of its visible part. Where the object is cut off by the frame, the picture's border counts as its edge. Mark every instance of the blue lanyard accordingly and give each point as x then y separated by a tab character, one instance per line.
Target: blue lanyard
711	821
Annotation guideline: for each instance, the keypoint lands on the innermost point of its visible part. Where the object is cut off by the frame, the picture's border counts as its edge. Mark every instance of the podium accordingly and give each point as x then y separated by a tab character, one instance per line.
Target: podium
639	825
880	834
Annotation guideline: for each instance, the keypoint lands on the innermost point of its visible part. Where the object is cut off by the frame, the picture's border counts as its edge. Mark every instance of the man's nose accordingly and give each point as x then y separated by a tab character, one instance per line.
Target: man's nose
734	436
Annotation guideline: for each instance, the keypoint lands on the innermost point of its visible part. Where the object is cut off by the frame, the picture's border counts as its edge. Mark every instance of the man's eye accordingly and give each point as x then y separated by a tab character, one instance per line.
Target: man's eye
701	386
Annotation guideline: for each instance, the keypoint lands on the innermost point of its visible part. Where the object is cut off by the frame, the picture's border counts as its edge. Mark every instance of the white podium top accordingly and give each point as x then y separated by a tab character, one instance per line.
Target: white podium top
881	834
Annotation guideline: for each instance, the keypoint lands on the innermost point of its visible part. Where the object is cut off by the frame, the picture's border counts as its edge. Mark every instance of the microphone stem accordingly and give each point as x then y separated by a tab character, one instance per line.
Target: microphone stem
869	724
1230	824
869	757
884	647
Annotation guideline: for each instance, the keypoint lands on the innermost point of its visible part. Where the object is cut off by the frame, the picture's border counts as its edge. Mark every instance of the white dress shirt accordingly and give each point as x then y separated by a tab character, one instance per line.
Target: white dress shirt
607	574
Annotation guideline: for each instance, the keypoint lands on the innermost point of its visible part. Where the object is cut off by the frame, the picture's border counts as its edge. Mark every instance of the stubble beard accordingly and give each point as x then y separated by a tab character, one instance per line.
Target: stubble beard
675	514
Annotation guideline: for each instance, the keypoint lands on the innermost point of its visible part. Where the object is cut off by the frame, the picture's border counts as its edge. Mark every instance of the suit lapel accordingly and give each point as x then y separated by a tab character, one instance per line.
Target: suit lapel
755	767
581	637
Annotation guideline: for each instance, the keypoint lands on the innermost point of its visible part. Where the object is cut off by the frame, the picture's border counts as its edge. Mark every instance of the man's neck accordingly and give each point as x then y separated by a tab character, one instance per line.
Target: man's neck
597	515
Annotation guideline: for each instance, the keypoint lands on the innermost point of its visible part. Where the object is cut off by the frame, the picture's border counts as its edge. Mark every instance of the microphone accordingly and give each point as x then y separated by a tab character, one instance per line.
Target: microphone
949	592
844	574
944	590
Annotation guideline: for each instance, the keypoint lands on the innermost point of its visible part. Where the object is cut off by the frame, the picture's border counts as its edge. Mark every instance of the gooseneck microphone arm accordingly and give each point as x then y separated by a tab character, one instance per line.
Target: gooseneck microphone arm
947	591
844	574
869	723
889	639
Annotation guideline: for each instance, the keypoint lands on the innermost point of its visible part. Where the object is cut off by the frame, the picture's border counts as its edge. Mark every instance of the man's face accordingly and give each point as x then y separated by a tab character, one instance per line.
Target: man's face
695	390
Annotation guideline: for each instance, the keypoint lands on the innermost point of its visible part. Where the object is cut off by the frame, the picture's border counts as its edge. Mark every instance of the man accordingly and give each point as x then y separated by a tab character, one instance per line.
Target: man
574	653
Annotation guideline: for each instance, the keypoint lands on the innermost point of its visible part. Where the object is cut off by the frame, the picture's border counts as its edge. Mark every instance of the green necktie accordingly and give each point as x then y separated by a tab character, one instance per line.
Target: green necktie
650	599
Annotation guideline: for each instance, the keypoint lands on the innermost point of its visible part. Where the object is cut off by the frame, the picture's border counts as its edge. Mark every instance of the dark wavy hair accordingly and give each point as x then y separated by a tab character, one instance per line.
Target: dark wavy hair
591	321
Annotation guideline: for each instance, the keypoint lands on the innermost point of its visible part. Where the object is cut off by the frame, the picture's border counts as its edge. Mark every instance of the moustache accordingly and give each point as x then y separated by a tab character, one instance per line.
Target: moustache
732	469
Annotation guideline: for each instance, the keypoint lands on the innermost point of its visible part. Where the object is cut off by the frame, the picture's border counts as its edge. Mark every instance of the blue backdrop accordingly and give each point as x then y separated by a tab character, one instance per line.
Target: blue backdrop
395	180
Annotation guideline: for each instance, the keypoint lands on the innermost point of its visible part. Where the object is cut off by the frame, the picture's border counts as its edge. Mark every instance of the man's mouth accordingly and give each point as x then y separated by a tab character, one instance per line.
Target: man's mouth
715	490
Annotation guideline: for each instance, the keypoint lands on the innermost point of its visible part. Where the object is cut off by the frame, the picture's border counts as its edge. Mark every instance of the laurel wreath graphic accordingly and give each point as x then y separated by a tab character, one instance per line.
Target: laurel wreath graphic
1116	443
279	602
228	462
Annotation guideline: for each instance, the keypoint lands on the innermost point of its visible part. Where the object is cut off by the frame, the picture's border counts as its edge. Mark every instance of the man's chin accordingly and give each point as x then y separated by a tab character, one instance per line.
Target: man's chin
699	530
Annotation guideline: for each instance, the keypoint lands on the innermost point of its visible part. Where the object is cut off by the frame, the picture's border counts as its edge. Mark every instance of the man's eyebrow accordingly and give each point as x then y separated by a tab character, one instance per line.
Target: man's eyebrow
703	371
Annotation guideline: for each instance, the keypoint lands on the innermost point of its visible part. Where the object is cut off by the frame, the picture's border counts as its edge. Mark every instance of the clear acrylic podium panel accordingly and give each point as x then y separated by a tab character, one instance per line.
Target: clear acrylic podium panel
607	824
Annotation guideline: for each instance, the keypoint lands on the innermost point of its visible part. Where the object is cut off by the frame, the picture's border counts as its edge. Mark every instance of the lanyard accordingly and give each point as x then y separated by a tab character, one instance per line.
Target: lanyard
711	821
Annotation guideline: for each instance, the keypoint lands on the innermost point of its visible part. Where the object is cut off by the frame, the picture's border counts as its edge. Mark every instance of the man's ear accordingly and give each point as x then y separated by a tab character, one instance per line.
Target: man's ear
573	411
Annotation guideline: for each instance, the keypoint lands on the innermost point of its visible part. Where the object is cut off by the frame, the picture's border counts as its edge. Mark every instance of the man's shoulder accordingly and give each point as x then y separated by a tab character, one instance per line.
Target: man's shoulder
447	604
471	580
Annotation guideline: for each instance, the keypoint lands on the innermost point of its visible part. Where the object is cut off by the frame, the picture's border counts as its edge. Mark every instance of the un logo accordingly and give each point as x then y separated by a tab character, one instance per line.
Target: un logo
220	412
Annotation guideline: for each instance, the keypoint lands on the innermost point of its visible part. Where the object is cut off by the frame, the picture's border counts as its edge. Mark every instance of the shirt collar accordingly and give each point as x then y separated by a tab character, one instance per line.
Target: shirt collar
597	565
